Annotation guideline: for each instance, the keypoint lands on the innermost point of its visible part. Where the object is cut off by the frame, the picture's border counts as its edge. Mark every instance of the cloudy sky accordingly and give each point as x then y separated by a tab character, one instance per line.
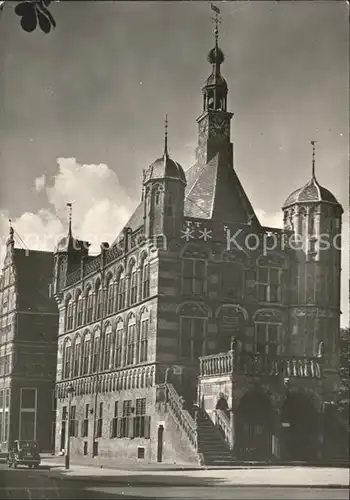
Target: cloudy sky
82	109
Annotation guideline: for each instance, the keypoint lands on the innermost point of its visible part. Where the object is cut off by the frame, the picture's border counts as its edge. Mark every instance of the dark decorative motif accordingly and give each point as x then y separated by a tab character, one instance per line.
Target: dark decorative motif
34	13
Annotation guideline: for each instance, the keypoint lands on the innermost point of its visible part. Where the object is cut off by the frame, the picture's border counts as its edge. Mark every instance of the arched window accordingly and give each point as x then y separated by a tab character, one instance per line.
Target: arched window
86	354
96	353
80	303
107	351
76	357
131	341
67	358
193	327
145	283
69	315
144	330
89	306
133	284
110	296
121	291
194	272
268	325
98	300
119	345
269	283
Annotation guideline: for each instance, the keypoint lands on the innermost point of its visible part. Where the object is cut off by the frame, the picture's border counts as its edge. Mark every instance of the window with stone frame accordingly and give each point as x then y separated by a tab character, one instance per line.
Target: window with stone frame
99	423
89	306
115	425
126	427
139	419
76	357
144	327
193	276
96	354
73	422
98	300
86	355
193	336
145	279
169	205
269	283
110	295
133	285
267	340
69	317
107	354
85	422
118	359
80	308
131	344
121	287
67	358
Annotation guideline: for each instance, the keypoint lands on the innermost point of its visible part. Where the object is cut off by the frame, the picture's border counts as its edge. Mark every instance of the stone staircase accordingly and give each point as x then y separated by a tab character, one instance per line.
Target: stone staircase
211	443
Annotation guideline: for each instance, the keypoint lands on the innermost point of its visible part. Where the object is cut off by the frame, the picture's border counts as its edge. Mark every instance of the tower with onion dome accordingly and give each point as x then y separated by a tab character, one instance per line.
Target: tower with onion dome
163	196
312	215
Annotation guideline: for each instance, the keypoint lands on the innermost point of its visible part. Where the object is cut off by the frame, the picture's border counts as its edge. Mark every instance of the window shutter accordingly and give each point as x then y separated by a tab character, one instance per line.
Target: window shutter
76	428
82	428
147	427
111	425
119	427
131	427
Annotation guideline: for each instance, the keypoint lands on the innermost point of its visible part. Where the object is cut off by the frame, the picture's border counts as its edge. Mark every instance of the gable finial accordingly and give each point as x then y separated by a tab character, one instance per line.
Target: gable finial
69	205
166	154
313	158
217	21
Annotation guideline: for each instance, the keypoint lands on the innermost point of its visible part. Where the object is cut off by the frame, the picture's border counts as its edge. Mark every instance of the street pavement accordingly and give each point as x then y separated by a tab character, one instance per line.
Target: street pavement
53	482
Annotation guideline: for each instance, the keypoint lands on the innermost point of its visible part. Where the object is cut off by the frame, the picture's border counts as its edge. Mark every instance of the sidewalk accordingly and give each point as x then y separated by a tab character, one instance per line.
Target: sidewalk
152	475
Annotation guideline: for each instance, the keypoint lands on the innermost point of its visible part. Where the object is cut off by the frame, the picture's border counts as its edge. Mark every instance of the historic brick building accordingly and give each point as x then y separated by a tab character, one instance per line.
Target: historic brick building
28	347
196	301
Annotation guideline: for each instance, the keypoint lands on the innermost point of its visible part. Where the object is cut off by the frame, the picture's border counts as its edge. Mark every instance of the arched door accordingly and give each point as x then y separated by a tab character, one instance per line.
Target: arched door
254	426
300	426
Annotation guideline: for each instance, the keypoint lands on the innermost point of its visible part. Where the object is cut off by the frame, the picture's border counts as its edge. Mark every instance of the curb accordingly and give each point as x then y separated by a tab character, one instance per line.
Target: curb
140	484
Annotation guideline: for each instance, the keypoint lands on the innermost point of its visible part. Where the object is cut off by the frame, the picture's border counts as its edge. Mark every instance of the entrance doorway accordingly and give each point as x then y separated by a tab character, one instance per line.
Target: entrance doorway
254	426
160	443
300	426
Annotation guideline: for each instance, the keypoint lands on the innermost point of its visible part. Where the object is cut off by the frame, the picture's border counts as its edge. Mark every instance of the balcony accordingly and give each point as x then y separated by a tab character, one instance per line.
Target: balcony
258	365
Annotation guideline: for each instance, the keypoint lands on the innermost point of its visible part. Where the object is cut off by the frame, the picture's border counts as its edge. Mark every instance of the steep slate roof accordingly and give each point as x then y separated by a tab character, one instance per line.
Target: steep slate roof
34	273
311	192
215	192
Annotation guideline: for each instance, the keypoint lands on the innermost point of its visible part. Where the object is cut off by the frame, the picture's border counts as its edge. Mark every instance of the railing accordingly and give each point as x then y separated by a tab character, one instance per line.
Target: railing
113	253
216	364
255	364
222	421
181	416
92	266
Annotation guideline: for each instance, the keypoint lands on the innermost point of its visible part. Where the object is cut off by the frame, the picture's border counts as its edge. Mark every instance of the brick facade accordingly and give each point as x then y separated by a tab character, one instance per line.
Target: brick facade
195	264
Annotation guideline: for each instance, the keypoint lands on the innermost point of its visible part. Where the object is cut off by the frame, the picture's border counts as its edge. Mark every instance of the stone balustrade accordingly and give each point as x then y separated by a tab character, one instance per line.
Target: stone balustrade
216	364
257	364
181	416
222	421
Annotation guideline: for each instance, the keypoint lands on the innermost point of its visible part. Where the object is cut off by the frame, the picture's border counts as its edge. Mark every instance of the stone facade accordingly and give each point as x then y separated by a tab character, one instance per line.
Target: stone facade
192	275
28	347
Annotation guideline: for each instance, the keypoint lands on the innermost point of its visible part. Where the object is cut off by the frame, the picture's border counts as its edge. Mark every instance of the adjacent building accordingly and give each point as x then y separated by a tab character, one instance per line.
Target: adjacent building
28	347
197	317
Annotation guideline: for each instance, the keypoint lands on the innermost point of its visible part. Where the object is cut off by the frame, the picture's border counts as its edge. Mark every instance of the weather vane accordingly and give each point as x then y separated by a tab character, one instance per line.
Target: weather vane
216	19
313	157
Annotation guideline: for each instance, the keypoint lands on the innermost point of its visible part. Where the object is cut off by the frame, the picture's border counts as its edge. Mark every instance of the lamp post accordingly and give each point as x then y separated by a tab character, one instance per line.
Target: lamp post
70	392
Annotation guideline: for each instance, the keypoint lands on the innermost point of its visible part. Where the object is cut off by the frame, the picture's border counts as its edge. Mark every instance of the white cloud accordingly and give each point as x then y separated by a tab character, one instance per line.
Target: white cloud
40	183
100	208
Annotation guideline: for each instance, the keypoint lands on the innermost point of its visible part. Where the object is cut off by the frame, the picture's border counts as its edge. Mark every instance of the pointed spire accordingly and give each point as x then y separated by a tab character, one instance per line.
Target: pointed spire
11	231
313	158
166	153
69	205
